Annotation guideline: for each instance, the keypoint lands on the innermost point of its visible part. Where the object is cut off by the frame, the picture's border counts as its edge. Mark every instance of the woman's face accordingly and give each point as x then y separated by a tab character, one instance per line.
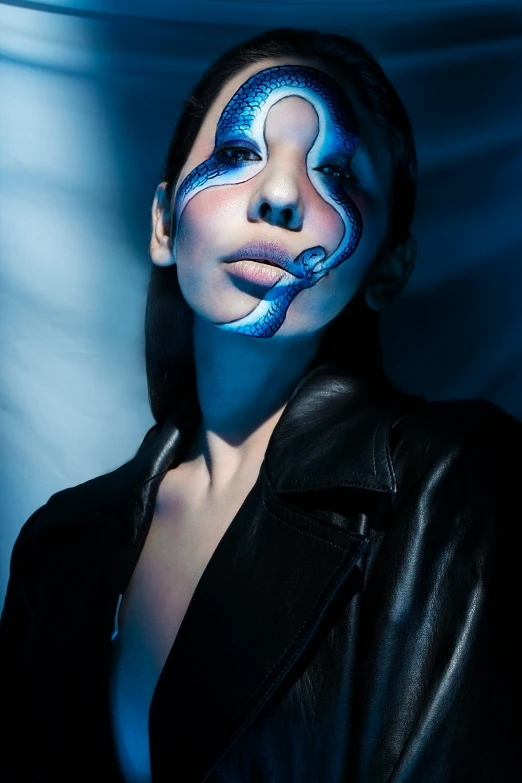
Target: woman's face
288	169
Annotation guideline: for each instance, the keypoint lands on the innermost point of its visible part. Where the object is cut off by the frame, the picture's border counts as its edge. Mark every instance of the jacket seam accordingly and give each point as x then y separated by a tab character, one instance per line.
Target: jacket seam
350	533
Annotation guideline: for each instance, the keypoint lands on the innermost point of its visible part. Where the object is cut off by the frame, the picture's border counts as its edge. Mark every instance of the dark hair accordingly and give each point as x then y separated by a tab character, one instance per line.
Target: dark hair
169	319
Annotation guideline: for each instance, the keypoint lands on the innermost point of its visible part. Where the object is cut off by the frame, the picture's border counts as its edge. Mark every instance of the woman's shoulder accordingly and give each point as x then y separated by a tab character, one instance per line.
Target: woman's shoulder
456	422
91	502
456	447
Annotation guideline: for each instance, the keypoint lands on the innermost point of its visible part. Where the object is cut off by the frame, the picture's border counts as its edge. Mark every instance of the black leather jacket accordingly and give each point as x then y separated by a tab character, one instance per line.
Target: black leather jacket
356	623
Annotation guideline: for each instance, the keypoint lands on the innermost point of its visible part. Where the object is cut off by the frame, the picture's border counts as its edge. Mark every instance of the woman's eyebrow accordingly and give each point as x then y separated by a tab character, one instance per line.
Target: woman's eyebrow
364	163
363	153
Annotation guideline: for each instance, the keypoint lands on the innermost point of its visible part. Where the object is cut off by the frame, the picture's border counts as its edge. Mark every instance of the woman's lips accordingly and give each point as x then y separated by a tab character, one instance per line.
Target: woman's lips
258	272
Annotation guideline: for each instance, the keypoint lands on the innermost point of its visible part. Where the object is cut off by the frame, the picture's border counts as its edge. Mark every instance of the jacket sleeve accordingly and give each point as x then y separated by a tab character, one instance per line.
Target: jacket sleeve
440	666
21	752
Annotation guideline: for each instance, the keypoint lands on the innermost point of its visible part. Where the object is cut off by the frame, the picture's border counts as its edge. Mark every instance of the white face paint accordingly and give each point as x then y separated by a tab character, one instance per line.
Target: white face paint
243	121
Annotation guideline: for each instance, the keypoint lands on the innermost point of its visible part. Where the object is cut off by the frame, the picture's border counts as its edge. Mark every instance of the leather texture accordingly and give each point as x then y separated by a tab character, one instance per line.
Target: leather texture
356	623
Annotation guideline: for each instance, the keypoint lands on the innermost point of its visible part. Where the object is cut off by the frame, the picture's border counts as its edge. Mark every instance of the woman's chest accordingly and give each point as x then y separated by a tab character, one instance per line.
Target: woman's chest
176	551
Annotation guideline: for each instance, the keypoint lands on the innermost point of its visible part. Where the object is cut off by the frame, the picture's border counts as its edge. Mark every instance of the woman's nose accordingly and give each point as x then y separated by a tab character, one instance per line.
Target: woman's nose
277	201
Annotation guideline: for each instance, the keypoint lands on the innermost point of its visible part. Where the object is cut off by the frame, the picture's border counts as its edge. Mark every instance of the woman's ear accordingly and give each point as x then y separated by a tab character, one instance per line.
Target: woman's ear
160	240
391	275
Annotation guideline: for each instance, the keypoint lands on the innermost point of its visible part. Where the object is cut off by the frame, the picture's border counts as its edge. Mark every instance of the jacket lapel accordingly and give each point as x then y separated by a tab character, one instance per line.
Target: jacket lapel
274	573
255	609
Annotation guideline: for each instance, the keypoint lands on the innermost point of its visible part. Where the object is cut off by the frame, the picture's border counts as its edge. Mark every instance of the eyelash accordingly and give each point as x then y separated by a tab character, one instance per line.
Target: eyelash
224	152
345	173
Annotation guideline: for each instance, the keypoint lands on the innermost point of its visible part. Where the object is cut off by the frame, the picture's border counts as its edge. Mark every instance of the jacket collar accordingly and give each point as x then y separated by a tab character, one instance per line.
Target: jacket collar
333	432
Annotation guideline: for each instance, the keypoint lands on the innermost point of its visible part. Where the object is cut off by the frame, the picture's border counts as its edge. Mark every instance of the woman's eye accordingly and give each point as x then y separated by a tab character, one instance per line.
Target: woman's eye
337	173
238	154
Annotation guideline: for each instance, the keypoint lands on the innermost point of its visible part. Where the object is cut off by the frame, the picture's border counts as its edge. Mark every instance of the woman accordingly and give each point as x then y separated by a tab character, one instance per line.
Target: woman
304	573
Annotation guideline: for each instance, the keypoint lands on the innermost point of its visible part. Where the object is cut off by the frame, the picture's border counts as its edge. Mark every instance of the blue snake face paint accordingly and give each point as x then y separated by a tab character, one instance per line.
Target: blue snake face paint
242	123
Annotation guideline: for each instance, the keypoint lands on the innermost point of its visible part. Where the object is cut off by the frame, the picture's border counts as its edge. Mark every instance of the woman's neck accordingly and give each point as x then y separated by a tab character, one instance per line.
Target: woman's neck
243	385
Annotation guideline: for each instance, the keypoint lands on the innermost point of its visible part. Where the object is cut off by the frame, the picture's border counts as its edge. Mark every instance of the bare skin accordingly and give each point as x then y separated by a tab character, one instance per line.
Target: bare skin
185	531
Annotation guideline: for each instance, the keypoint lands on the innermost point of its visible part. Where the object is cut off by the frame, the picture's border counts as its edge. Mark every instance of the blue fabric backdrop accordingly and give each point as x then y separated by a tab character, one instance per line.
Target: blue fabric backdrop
89	94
